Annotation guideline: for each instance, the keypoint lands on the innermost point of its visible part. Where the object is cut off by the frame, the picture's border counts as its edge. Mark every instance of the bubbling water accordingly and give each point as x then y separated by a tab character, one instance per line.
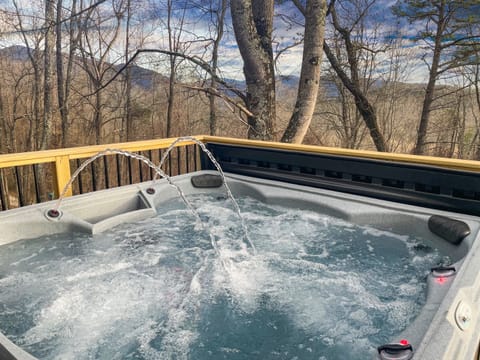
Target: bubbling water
220	171
319	287
54	212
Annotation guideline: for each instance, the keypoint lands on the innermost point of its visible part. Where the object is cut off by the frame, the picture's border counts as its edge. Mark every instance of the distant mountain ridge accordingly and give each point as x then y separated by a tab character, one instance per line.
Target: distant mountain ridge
142	77
16	52
147	79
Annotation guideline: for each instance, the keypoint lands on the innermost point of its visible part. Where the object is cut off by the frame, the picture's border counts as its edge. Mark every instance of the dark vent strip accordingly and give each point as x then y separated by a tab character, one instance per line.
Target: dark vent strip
263	164
393	183
471	195
308	170
362	178
284	167
427	188
415	184
333	174
454	231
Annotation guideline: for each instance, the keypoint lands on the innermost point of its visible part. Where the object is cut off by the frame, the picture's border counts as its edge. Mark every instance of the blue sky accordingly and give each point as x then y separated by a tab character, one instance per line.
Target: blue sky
381	27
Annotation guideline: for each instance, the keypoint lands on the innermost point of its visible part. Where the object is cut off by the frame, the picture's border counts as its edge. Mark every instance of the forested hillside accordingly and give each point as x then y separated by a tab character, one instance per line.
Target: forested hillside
361	74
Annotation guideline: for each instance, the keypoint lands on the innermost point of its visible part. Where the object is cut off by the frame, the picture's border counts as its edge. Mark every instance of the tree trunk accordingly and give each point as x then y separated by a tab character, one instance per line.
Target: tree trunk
364	107
476	85
432	78
427	101
172	45
72	45
34	57
171	97
252	23
212	118
60	76
4	144
213	84
35	131
310	72
127	127
97	117
48	73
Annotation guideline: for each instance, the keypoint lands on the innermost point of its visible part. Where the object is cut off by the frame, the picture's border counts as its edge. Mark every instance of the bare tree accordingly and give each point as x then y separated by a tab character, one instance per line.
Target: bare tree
391	97
32	43
65	71
253	23
218	22
99	33
354	82
126	131
470	75
175	27
299	123
48	73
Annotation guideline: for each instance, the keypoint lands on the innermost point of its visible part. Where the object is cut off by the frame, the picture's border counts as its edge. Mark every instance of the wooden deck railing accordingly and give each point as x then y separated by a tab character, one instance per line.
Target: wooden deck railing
34	177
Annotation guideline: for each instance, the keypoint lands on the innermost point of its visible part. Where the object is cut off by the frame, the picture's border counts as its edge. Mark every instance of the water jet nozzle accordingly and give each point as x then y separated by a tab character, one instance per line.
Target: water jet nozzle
150	191
53	213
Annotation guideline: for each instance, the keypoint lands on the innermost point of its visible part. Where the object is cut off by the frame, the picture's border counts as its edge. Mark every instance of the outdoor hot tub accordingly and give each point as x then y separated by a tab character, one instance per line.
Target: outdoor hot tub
302	272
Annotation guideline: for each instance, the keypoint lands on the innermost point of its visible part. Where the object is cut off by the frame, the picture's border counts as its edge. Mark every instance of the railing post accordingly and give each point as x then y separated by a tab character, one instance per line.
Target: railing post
63	174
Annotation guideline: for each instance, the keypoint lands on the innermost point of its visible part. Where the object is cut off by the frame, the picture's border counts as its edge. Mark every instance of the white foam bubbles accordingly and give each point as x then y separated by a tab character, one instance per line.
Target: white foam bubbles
155	289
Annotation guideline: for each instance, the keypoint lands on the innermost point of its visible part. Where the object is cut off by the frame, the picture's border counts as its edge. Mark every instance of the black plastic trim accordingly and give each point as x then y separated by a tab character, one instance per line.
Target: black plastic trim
452	230
206	181
395	351
414	184
444	271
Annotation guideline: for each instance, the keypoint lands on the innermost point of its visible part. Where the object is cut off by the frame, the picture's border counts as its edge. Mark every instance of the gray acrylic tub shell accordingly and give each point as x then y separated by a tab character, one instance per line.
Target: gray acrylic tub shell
448	326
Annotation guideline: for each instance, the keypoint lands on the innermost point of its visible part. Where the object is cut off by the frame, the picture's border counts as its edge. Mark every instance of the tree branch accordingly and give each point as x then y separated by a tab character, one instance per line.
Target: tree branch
197	61
286	48
299	6
228	102
215	92
45	28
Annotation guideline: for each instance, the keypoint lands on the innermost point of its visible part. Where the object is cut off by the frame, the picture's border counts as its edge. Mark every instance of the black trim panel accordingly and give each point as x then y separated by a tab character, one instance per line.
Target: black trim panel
427	186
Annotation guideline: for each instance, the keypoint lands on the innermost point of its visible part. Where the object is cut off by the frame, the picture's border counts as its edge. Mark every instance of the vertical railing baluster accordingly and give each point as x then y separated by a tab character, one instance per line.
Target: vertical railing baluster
119	170
79	179
35	182
179	170
150	156
94	180
140	171
159	157
63	174
170	164
3	200
187	158
75	187
195	151
21	200
130	176
105	171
